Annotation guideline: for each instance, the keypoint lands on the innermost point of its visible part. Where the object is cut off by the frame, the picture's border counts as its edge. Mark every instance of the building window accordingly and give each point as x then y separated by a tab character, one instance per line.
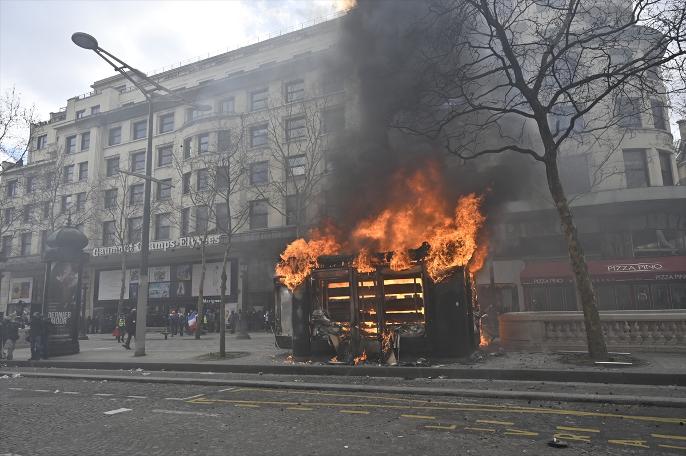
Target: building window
166	123
202	219
295	128
629	112
7	215
227	106
95	109
85	140
296	165
138	162
114	136
203	180
80	202
11	189
135	229
26	244
83	171
259	212
164	189
30	184
140	129
164	155
6	246
658	110
333	120
28	213
185	221
66	204
41	141
186	183
187	145
294	215
80	114
136	194
112	166
258	135
109	236
203	143
70	145
111	198
162	227
332	83
259	173
666	167
295	91
258	100
68	174
222	216
635	168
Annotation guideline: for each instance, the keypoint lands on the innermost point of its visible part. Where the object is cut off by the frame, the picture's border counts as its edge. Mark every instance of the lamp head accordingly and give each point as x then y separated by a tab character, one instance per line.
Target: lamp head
85	41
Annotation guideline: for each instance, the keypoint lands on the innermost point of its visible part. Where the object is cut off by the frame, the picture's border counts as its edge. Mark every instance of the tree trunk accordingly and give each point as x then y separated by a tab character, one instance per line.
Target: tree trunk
594	334
222	306
199	318
122	288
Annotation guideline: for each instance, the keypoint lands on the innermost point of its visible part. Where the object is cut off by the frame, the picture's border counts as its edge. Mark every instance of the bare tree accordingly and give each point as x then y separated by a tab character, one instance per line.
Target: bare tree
295	134
531	75
15	124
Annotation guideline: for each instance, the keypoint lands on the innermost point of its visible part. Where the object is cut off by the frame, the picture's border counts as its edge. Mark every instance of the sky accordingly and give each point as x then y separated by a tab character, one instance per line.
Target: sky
38	57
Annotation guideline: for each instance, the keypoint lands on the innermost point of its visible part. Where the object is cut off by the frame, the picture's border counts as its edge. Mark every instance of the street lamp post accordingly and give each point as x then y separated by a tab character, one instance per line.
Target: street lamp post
86	41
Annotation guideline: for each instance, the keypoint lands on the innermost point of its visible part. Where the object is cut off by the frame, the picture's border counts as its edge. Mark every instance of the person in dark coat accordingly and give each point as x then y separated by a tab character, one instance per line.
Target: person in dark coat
11	336
130	328
35	335
46	327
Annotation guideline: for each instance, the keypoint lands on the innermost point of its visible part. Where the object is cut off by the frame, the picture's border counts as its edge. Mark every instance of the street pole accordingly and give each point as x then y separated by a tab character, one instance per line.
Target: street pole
143	278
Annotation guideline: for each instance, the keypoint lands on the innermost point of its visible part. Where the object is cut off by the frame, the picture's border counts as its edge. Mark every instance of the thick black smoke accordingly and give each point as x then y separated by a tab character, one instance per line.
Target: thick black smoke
381	48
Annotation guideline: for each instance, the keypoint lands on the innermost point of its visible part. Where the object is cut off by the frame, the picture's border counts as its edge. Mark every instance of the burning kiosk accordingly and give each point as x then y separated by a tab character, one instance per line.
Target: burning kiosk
379	312
418	300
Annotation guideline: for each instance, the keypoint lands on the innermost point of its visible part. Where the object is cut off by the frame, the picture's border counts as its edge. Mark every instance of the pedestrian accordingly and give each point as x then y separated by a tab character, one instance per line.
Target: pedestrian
3	329
174	322
120	328
11	336
35	334
46	327
130	328
182	322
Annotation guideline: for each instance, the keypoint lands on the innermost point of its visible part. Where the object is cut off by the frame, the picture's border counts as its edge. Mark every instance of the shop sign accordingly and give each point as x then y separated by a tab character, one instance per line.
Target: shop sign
636	267
184	242
547	281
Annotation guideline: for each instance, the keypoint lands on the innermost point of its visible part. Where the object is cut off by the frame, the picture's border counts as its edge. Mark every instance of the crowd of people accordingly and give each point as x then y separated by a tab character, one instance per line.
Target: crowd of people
39	328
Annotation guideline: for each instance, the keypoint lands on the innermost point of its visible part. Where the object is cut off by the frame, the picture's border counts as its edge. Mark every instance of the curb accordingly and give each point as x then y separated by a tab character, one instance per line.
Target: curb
656	401
538	375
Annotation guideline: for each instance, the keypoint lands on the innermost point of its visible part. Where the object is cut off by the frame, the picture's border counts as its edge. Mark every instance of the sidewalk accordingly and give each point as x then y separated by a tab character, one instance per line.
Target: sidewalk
259	355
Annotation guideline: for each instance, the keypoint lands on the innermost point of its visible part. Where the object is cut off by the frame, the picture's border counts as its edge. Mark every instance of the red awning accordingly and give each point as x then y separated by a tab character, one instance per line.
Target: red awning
552	272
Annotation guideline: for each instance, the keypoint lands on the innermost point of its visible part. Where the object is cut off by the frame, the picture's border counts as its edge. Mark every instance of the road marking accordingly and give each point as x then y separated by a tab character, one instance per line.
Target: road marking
299	408
419	417
173	399
119	410
182	412
355	412
192	397
478	429
70	392
103	394
629	442
42	391
579	429
522	432
452	427
233	388
574	437
16	389
138	397
248	405
667	436
673	447
504	423
464	408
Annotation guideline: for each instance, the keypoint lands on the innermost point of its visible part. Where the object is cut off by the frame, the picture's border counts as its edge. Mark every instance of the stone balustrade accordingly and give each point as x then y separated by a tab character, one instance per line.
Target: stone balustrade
650	330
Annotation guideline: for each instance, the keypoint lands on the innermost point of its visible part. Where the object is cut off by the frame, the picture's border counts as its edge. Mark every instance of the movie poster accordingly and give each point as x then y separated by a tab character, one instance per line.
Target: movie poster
62	305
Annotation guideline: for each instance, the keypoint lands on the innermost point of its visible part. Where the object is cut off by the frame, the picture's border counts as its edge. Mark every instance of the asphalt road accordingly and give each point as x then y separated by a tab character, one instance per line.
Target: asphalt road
74	417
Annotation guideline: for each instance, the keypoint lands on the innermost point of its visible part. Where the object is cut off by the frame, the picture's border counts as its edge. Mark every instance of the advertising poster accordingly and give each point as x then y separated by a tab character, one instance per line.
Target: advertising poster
62	305
20	290
157	290
159	274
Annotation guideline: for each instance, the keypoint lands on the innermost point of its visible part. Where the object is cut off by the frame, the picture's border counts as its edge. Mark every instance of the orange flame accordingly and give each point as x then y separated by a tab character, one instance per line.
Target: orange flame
361	359
476	263
401	260
363	262
345	5
300	257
